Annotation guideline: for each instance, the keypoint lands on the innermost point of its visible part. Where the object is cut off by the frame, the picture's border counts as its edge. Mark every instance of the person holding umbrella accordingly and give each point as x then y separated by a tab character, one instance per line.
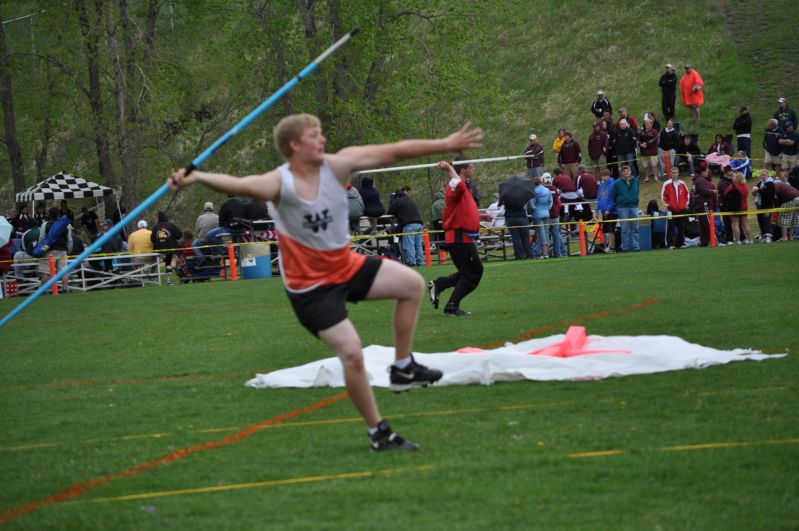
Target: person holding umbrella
514	195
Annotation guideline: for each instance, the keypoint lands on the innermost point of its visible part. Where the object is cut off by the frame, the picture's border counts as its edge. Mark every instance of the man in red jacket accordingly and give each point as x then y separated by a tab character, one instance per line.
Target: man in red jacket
461	227
675	195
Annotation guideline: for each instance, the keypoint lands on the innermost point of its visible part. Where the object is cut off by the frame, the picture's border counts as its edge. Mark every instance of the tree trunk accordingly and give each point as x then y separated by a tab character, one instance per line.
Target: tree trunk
10	123
91	35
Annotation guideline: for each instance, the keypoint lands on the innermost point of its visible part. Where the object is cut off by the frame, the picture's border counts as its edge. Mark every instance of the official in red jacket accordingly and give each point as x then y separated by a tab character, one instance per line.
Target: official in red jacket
461	227
675	196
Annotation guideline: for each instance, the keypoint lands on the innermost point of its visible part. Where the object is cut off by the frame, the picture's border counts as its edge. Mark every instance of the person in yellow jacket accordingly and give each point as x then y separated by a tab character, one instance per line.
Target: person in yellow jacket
140	242
559	140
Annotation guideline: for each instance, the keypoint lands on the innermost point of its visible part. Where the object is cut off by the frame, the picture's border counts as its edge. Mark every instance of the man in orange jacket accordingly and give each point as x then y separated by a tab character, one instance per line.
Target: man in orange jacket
691	90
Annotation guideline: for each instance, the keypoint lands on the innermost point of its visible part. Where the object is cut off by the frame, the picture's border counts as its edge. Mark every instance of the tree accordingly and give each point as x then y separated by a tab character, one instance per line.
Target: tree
9	118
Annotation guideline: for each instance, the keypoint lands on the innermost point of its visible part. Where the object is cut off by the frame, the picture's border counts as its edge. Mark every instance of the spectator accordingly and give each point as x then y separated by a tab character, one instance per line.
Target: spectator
559	140
255	210
187	245
763	193
625	195
652	116
58	250
742	164
667	147
535	162
727	204
496	211
230	213
112	246
631	123
613	158
720	146
437	209
206	222
648	140
784	114
587	189
743	131
702	202
164	237
553	224
740	225
539	207
691	90
65	211
771	144
22	221
473	189
598	147
410	221
461	225
625	146
570	155
117	216
789	144
89	221
140	241
786	196
40	216
372	206
567	189
675	196
606	211
688	153
601	105
519	227
668	91
354	208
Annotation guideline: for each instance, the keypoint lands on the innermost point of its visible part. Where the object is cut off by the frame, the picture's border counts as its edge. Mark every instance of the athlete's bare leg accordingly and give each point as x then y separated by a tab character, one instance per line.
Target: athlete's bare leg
344	340
406	286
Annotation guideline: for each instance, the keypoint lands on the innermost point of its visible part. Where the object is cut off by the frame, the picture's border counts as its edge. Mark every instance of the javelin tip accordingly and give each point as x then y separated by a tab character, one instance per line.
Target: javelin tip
354	31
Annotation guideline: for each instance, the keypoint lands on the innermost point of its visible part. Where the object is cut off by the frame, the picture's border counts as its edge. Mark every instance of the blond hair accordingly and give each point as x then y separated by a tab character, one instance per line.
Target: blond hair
738	177
291	128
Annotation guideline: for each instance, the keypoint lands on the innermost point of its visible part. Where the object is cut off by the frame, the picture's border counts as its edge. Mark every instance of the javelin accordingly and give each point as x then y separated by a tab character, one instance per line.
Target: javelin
164	188
456	163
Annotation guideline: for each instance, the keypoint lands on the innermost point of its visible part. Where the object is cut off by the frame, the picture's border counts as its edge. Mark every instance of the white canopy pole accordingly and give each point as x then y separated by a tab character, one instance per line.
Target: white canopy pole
435	164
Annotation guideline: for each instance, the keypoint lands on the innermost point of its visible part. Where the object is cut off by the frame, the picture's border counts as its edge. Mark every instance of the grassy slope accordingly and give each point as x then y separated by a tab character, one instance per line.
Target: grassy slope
171	361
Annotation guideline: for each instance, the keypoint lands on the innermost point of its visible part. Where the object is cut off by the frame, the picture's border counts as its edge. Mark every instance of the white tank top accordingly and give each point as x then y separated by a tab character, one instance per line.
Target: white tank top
313	236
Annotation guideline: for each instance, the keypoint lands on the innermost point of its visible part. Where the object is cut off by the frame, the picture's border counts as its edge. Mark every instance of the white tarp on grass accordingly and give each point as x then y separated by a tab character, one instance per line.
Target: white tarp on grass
648	354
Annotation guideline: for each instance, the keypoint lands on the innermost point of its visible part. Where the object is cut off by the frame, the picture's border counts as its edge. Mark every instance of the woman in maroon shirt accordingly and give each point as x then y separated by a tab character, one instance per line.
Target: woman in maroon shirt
740	224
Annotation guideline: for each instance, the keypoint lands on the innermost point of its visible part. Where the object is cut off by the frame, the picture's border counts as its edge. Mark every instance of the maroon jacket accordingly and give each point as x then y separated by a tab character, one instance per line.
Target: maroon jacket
703	194
587	182
784	192
570	153
651	139
597	143
564	183
554	211
720	147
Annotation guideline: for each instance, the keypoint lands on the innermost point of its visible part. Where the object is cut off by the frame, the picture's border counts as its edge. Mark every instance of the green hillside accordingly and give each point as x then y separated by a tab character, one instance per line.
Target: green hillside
513	67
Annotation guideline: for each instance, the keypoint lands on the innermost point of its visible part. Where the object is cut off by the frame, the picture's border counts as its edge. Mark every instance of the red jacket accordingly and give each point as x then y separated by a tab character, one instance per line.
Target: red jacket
460	213
554	211
675	200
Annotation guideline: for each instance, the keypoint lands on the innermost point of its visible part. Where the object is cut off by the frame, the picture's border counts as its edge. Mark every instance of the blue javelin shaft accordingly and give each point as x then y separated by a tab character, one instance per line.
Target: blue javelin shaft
164	188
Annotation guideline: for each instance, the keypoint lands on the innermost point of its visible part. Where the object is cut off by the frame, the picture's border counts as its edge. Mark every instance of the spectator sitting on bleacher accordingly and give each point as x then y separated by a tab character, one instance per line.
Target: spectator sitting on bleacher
22	221
229	213
113	245
165	236
496	211
742	164
139	242
719	146
587	189
355	207
206	222
40	216
88	220
688	153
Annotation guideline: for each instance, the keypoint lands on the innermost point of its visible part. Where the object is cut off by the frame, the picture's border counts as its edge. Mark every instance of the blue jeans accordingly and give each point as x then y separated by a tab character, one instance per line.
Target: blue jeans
628	158
629	229
214	239
412	244
556	244
519	235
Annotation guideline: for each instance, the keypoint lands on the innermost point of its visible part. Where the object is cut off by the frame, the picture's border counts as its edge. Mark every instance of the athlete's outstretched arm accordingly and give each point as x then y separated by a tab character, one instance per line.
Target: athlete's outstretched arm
264	187
355	158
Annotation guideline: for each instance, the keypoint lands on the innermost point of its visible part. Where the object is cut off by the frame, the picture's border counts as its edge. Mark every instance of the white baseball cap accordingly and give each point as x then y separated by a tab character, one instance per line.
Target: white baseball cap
533	137
208	205
142	224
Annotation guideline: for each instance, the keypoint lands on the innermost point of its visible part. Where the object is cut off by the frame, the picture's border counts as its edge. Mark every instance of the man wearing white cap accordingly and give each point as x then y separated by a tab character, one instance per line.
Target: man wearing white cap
601	104
784	114
535	160
668	91
140	242
205	222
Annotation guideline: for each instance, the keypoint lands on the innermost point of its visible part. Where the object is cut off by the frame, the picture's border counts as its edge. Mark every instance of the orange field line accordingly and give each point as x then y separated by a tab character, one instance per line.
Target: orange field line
577	320
79	488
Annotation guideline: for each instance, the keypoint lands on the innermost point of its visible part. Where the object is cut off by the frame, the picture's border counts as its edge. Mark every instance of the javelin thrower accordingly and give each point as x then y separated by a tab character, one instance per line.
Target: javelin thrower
307	197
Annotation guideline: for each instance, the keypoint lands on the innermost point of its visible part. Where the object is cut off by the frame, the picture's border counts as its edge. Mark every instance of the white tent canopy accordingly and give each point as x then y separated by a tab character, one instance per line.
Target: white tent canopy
63	186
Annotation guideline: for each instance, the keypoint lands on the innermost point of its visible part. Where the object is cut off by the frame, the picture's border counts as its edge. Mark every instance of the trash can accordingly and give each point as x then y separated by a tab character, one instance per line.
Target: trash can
256	260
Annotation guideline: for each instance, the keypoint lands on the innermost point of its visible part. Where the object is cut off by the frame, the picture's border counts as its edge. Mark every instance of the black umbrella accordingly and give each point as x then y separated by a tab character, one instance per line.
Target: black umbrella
516	191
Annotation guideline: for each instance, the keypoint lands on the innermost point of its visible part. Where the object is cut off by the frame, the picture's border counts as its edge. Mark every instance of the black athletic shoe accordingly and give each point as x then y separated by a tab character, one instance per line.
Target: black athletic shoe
433	291
456	312
413	375
386	440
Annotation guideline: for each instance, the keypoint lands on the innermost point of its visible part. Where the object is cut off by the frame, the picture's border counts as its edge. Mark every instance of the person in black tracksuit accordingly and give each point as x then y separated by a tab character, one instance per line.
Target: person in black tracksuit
668	92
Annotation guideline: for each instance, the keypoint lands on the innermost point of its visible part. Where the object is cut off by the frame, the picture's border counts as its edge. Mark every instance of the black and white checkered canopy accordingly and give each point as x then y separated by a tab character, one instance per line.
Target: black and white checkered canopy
63	186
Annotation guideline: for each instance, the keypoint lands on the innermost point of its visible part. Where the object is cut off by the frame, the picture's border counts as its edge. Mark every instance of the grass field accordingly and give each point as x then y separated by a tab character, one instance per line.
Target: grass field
127	410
